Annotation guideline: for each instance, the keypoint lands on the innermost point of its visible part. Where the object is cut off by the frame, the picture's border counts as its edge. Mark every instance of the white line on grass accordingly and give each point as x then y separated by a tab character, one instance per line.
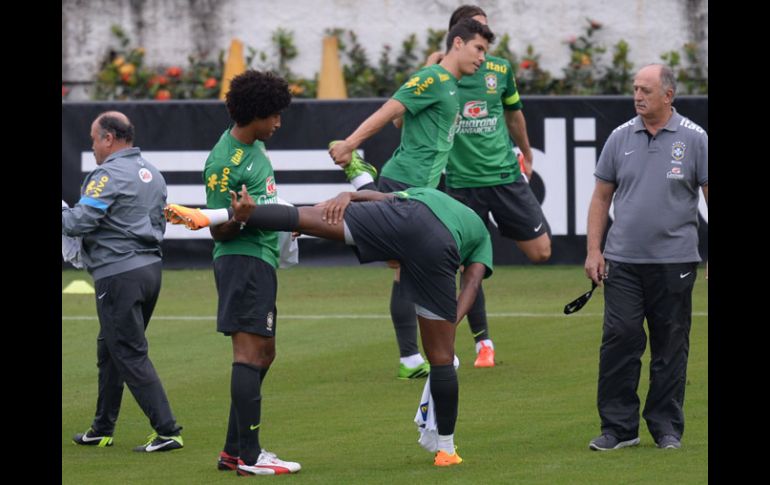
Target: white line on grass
363	316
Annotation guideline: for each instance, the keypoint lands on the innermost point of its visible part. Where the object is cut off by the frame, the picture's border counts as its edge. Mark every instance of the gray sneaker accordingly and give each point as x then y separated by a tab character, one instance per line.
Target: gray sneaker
669	442
608	442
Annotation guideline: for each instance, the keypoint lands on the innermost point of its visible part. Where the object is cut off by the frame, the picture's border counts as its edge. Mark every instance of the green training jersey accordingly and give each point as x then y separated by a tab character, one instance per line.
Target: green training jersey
482	154
432	111
467	228
230	165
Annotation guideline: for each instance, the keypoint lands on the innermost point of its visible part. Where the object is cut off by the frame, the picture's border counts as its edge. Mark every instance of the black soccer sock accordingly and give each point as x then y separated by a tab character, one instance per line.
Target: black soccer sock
477	318
404	318
245	393
231	440
445	391
272	217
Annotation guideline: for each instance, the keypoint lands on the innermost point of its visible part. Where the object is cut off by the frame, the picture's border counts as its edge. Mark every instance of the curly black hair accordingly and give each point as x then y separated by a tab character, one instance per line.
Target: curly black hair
254	94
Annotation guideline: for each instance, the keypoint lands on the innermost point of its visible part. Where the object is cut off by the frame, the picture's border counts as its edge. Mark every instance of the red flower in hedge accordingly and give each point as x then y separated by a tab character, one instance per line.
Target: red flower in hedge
210	83
174	71
163	94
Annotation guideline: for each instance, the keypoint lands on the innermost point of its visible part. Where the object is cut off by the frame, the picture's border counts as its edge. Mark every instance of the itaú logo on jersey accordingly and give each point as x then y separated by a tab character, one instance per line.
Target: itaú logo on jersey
475	109
270	186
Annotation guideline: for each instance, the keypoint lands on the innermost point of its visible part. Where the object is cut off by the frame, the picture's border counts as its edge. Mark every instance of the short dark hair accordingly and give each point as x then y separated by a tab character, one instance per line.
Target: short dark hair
254	94
466	29
465	12
119	128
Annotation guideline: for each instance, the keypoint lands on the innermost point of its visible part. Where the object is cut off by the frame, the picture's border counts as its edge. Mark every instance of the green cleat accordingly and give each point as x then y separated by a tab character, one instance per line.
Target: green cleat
357	165
418	372
91	438
156	442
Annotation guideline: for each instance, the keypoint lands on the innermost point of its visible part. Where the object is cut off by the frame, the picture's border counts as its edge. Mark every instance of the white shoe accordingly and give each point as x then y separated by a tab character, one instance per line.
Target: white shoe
268	464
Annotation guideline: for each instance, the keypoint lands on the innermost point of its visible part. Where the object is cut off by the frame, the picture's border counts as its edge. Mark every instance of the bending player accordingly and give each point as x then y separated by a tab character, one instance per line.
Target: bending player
428	232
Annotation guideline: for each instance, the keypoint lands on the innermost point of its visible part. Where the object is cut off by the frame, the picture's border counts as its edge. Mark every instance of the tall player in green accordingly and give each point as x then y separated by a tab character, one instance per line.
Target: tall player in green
245	260
483	171
428	103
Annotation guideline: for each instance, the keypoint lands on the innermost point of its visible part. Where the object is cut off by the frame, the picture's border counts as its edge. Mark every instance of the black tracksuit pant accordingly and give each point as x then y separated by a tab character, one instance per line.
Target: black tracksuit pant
124	303
661	294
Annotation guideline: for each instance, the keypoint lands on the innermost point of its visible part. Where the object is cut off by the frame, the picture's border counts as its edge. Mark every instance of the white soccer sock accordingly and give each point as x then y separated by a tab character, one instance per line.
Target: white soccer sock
412	361
485	343
216	216
447	443
361	180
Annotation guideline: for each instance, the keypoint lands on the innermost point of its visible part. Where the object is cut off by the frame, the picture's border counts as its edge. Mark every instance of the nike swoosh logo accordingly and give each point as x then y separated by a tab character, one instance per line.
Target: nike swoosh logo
253	427
477	334
101	296
684	275
248	169
451	93
629	153
91	438
538	227
159	445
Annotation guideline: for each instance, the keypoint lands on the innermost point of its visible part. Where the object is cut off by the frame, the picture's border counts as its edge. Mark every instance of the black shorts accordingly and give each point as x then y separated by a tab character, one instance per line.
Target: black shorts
516	210
406	230
386	185
247	288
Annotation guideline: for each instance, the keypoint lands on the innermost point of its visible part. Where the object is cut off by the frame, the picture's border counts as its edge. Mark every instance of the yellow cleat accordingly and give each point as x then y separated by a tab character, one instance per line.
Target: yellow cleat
357	165
445	459
193	219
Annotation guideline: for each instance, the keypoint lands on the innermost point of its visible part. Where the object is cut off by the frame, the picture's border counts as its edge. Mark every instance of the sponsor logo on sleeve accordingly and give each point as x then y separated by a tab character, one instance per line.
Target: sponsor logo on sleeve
145	175
96	187
412	82
225	179
423	86
212	181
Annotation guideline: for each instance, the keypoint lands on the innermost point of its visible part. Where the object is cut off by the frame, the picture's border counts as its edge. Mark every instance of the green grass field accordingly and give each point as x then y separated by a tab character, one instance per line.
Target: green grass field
331	400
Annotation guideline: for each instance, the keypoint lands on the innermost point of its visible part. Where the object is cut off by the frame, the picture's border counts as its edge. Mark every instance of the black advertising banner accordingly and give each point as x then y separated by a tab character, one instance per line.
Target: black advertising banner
567	134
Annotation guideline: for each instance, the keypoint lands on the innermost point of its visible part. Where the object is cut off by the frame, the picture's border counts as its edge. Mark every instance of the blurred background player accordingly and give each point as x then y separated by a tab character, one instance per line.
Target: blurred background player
483	172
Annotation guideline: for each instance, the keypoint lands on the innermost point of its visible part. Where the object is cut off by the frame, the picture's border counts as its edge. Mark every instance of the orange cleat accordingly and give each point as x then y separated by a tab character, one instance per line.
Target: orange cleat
445	459
193	219
486	357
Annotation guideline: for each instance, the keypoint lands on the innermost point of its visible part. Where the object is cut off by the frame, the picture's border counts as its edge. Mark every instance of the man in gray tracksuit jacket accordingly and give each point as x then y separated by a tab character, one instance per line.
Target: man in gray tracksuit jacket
120	219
